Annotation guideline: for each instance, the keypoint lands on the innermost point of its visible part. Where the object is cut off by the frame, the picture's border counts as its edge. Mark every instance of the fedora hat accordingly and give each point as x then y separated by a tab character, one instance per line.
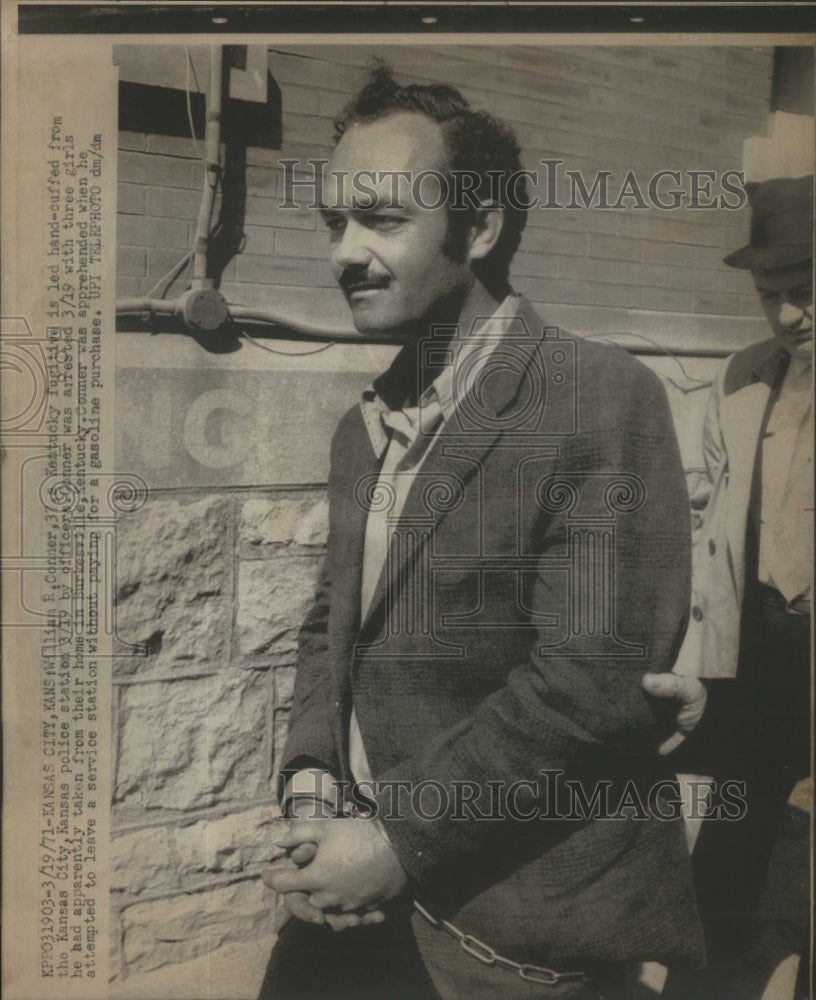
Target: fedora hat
781	224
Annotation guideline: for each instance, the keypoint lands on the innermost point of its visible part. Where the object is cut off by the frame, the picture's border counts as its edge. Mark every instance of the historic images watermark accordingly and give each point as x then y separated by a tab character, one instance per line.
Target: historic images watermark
552	187
547	796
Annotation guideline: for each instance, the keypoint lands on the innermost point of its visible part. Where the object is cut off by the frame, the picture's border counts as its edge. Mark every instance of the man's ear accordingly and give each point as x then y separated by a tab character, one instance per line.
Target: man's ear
486	232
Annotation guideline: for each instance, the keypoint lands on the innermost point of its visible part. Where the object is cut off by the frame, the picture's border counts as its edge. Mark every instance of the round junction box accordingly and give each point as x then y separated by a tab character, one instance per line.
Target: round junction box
204	308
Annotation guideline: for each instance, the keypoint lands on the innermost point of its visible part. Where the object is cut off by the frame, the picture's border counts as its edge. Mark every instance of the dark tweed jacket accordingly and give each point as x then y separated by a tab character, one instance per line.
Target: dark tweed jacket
507	678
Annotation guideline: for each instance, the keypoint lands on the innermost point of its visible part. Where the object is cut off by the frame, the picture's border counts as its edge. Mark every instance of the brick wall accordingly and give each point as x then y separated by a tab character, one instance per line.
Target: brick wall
214	573
596	108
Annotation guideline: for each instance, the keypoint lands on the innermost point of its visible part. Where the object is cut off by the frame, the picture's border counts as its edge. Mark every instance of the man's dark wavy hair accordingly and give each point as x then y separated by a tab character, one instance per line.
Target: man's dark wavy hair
475	142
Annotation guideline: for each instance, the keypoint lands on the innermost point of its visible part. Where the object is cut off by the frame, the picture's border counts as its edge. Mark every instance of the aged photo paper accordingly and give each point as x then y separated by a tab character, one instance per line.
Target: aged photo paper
176	355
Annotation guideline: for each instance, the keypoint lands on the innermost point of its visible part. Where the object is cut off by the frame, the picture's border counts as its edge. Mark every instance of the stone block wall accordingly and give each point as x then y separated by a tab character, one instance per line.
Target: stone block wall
213	589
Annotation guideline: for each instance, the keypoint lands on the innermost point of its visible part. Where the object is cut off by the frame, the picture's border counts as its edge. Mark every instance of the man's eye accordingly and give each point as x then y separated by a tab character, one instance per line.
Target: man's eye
769	297
334	223
386	223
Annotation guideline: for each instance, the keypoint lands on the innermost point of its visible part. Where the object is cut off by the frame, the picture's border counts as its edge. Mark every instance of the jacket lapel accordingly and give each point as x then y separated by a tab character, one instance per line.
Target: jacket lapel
742	419
346	491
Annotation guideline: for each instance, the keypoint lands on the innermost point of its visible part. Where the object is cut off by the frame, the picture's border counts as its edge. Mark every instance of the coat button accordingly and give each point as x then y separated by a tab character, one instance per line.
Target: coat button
697	613
712	546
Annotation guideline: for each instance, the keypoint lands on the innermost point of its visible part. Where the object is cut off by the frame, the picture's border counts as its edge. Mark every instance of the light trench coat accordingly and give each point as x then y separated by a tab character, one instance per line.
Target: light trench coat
731	436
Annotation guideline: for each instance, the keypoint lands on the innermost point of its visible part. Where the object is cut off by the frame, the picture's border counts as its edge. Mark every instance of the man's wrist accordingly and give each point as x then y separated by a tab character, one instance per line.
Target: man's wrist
306	806
315	786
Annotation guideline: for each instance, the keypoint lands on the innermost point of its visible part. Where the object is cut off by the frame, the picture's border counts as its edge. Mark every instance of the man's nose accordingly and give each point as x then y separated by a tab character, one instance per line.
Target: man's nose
791	315
351	247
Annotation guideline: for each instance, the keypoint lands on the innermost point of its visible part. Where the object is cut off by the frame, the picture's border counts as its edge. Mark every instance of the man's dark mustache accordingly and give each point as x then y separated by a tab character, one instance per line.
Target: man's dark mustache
353	280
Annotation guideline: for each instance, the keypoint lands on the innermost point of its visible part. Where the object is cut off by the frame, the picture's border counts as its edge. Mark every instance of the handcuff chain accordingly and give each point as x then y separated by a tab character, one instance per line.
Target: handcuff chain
483	953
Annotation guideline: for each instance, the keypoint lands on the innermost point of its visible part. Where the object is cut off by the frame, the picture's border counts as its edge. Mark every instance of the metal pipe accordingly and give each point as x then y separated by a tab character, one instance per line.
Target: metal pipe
314	331
347	334
156	307
212	172
246	314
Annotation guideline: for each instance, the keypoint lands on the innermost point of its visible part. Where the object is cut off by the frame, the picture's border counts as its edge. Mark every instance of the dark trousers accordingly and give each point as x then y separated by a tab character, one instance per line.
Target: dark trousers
377	962
765	743
381	962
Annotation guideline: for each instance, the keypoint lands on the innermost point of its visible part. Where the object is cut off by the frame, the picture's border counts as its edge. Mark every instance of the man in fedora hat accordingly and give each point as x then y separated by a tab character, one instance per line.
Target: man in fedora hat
749	631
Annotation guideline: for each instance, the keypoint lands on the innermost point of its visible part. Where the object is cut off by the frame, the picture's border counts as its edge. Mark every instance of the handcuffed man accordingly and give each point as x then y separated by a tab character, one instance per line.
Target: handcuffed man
508	553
